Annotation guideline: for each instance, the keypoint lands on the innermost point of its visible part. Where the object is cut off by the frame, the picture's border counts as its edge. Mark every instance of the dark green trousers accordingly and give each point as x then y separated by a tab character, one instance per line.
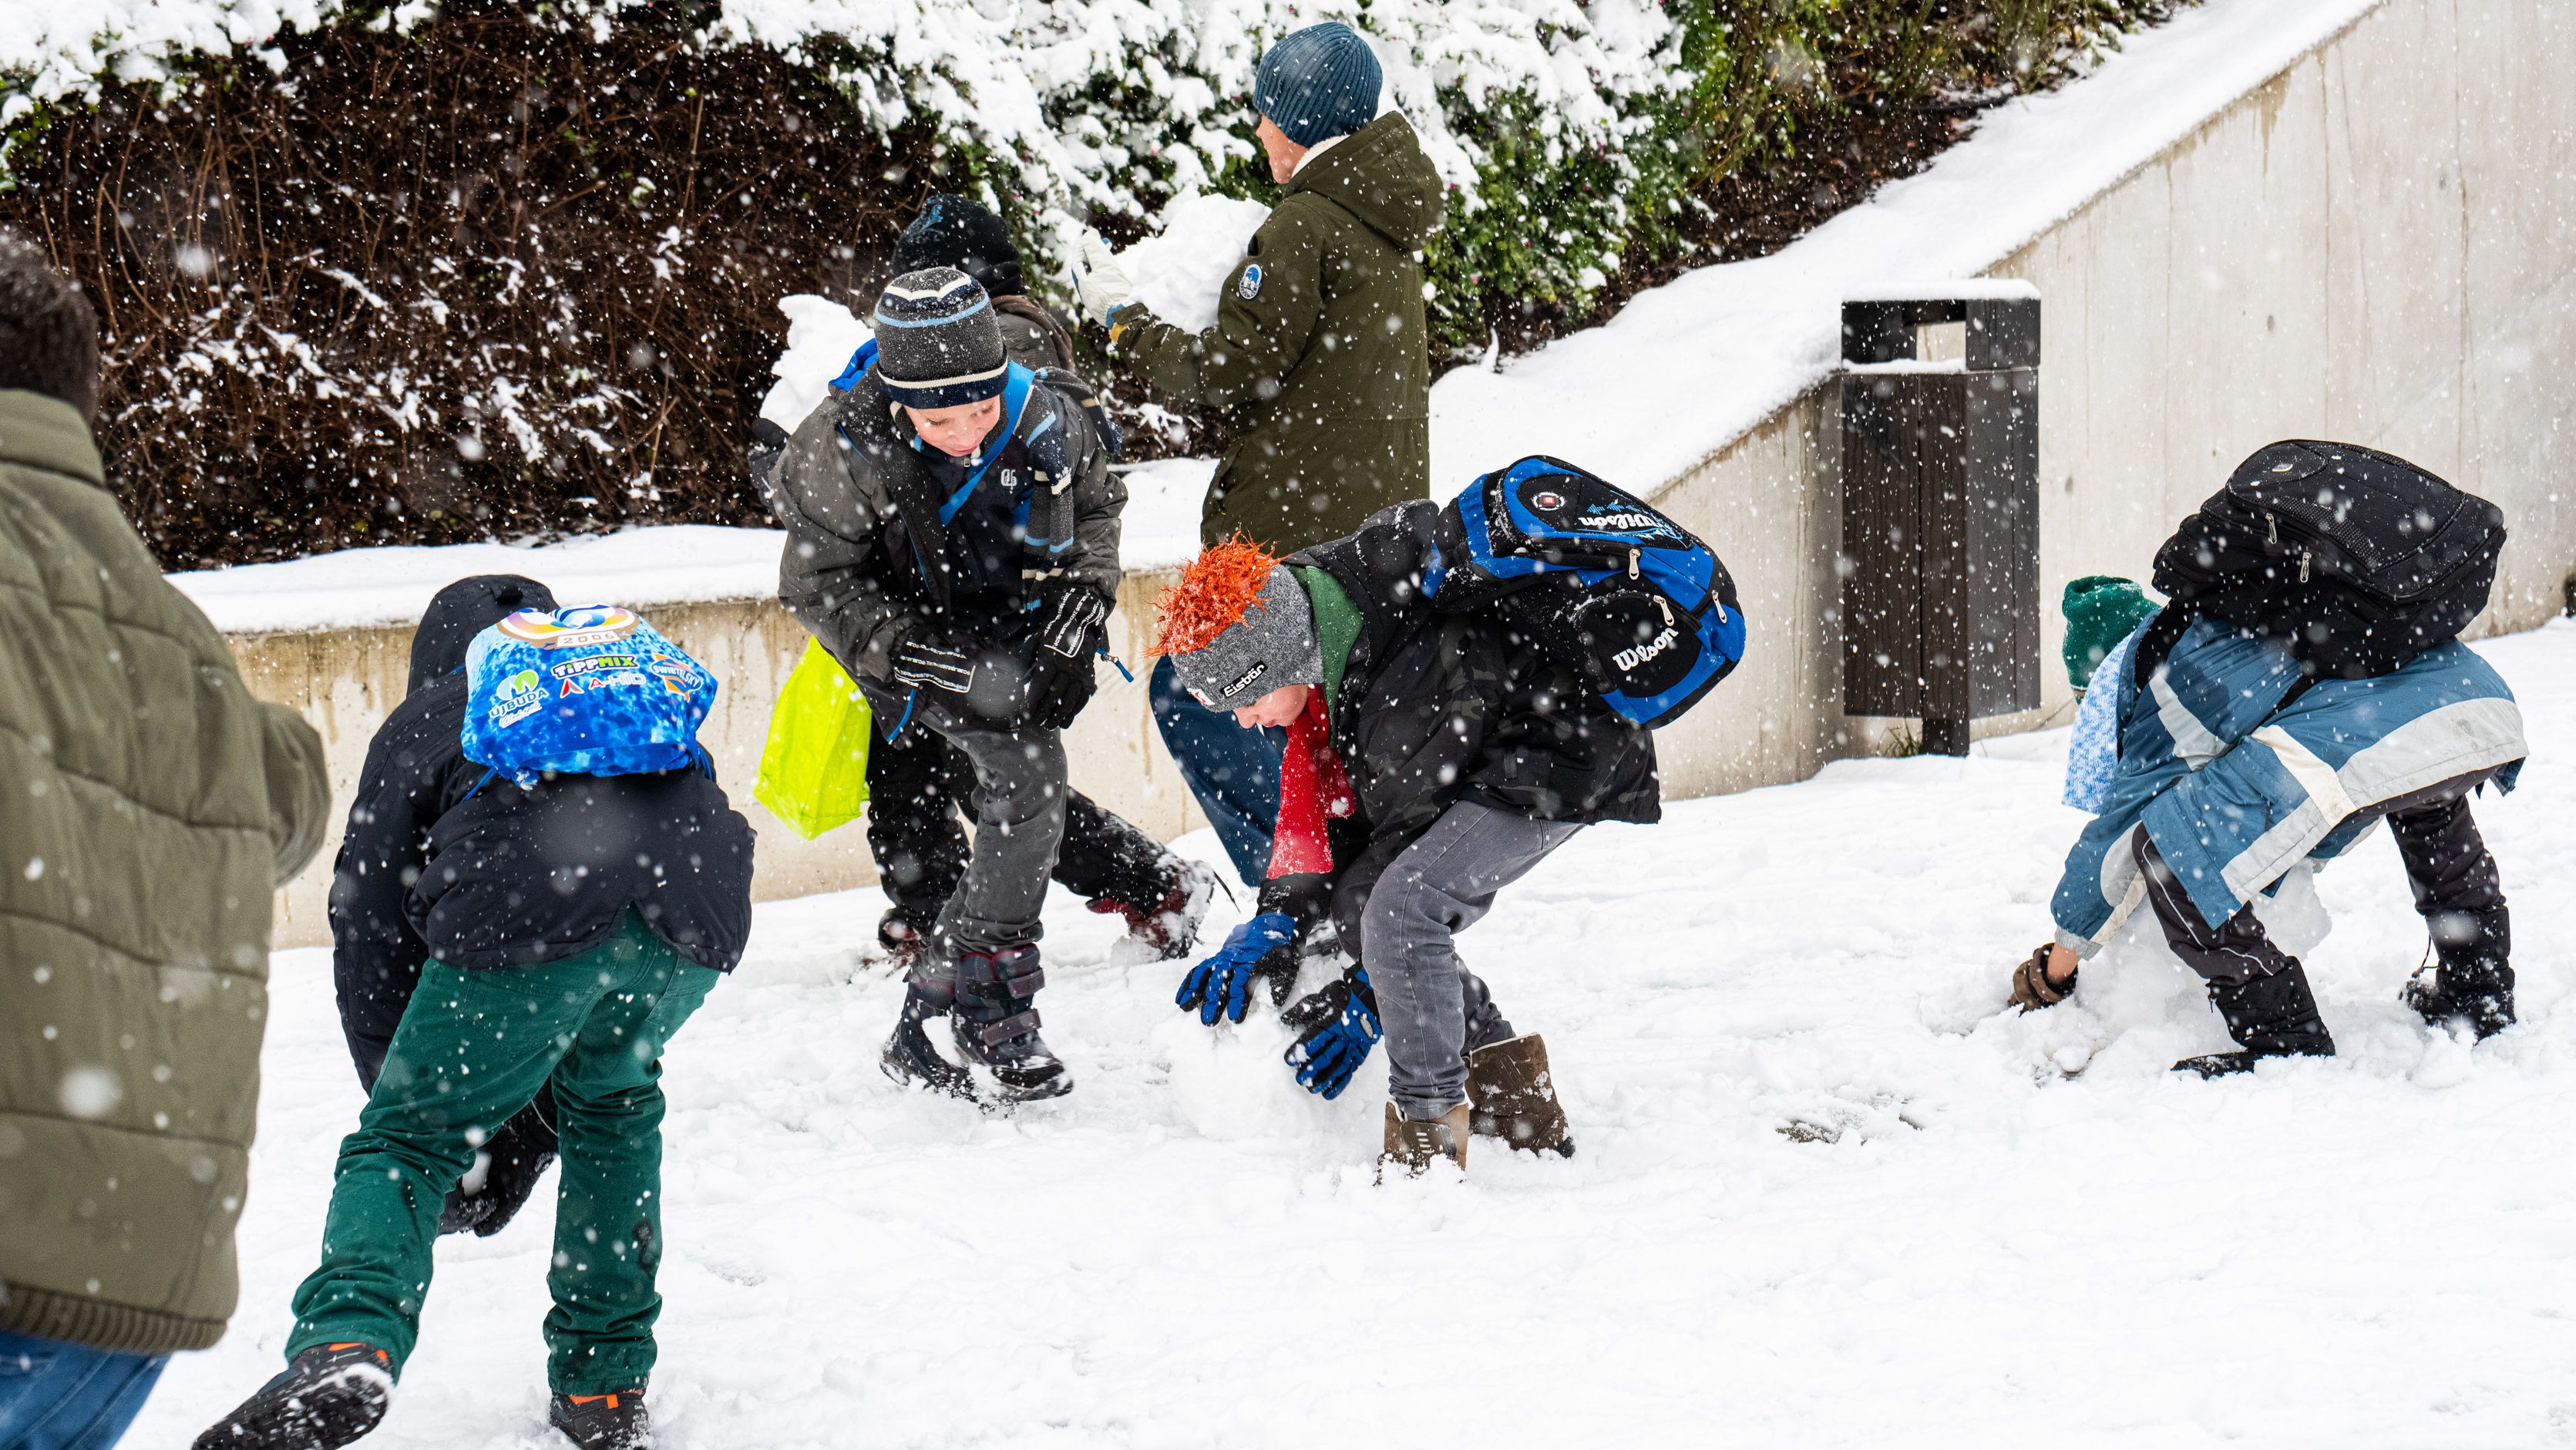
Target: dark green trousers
472	1050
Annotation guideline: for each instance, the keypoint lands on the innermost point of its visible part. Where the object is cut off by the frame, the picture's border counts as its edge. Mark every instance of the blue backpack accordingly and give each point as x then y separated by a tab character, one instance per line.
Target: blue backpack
1600	579
591	690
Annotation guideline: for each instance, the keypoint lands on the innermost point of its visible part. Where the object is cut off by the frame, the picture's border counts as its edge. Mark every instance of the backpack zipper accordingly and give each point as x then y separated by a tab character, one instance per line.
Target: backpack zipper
2303	567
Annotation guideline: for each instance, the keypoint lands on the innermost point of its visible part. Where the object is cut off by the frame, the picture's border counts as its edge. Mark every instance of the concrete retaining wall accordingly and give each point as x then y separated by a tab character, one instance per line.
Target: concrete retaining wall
2378	244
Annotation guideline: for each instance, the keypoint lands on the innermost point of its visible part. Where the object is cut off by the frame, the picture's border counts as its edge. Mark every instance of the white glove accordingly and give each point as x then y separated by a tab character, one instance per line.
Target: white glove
1100	284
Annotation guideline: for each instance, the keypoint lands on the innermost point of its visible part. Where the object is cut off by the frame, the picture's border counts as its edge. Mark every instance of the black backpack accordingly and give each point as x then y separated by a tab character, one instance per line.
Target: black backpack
2359	559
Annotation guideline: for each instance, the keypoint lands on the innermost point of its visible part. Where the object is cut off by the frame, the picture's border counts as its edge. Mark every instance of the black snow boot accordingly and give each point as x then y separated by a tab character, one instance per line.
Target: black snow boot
603	1422
328	1396
2479	990
997	1023
910	1057
2269	1016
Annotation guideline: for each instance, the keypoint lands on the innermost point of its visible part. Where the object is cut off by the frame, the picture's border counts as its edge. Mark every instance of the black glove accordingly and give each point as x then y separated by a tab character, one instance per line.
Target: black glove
935	658
513	1159
1335	1029
768	445
1061	677
1070	616
1058	689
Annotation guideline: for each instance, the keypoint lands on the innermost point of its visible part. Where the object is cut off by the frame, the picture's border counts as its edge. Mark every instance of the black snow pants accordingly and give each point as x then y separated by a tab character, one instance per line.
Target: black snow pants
920	783
2457	891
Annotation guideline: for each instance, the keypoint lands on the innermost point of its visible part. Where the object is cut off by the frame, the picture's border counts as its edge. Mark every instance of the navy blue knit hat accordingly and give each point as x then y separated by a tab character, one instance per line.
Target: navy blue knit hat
1318	83
938	343
953	231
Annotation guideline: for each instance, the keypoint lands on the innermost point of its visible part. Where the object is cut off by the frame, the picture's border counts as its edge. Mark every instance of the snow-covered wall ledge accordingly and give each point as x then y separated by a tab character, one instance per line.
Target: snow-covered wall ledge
2339	218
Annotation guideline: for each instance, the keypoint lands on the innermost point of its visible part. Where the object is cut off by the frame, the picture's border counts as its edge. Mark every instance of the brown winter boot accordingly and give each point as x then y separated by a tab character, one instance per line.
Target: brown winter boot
1411	1143
1514	1098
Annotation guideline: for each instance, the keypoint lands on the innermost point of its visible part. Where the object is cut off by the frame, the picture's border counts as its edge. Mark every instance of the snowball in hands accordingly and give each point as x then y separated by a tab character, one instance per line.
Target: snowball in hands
1099	282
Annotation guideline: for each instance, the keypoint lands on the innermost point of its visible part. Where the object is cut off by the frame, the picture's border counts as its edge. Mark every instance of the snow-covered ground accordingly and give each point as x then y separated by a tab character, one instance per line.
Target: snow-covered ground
1826	1195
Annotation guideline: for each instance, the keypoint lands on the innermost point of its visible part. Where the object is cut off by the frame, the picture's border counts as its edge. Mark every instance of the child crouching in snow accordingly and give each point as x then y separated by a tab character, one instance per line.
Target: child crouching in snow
2266	719
1433	759
542	870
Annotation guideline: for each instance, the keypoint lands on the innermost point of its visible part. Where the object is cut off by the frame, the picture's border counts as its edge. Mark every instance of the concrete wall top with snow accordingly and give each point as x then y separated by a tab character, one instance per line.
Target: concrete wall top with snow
2265	219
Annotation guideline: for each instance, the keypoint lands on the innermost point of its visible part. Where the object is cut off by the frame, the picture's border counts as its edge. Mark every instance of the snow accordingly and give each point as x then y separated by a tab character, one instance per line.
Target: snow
1714	352
1826	1194
1181	272
1161	524
821	336
1087	105
1721	348
354	588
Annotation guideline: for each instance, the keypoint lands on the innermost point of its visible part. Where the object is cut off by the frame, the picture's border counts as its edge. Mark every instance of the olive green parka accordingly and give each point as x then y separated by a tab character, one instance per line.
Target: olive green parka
1320	334
152	808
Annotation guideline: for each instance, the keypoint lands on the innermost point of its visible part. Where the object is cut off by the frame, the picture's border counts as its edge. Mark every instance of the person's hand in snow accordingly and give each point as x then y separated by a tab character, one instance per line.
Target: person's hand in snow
2045	979
1100	283
1265	946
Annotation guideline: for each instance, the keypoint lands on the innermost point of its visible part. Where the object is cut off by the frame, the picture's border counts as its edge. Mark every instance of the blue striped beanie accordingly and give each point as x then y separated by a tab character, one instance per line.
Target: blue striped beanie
938	343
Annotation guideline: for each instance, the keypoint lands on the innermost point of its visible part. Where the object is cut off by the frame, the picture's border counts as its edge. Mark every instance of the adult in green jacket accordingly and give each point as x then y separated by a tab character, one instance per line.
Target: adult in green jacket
1320	332
1320	337
154	806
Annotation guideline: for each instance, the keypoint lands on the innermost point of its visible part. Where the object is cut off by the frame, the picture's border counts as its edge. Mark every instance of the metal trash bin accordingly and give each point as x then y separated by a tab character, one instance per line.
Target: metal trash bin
1940	464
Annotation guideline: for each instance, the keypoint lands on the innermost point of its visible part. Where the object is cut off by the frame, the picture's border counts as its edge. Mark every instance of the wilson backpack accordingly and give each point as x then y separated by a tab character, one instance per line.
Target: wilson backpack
1600	579
591	690
2358	559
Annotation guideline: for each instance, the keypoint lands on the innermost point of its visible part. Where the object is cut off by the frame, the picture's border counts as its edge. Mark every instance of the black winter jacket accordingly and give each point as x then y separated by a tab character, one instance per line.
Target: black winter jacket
433	868
1431	707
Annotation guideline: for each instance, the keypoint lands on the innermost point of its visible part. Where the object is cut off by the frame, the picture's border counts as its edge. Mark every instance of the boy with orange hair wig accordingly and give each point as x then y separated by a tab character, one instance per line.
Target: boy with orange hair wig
1433	758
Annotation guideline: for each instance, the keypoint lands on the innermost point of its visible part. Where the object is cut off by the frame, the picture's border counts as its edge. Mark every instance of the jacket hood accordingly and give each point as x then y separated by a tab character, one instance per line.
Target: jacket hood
463	610
1382	177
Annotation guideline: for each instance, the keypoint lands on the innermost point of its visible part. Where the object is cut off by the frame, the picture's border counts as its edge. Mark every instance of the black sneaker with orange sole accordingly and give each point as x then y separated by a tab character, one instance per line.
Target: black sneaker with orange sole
603	1422
328	1396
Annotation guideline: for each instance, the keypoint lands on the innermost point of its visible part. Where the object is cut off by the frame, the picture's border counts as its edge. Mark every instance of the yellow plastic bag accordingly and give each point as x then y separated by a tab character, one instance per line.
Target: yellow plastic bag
814	766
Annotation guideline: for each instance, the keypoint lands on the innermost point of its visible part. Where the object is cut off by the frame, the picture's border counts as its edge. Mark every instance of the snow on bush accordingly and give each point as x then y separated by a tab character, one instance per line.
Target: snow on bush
1077	106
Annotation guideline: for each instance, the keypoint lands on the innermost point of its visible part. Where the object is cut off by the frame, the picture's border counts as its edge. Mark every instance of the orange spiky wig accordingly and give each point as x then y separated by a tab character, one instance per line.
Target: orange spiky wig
1214	591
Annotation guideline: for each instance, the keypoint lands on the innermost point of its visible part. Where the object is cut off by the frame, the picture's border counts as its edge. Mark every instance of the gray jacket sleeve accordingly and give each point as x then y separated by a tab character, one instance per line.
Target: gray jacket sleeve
1099	504
834	506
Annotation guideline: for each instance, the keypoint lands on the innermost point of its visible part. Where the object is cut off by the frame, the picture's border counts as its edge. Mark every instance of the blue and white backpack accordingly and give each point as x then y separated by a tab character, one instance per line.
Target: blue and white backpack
591	690
1600	579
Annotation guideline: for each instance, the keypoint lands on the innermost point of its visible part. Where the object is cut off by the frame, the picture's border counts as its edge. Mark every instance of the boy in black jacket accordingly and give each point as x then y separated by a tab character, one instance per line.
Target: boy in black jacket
1433	759
496	942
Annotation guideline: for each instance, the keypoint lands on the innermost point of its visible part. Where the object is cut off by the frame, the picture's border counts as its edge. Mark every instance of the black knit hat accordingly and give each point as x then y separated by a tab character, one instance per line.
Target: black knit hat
938	343
955	232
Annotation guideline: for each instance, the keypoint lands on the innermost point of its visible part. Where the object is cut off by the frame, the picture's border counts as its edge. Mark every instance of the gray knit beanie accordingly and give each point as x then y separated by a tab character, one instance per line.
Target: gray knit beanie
938	343
1273	645
1318	83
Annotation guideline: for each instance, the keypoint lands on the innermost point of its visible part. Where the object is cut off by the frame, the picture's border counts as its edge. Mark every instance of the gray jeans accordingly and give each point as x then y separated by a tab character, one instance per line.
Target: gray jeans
1432	1008
1019	825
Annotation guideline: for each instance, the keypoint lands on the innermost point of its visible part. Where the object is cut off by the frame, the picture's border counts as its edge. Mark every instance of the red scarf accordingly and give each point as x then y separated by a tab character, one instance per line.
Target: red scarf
1313	790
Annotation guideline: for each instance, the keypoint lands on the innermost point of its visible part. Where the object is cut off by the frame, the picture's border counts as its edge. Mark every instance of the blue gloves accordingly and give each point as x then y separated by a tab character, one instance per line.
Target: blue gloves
1263	946
1336	1027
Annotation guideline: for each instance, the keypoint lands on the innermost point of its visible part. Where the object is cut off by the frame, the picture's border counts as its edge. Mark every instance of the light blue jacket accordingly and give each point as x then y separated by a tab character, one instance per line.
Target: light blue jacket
2235	788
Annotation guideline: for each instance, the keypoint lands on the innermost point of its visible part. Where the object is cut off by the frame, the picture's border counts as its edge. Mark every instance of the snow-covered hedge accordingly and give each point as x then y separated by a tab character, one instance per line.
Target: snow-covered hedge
396	270
1577	125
